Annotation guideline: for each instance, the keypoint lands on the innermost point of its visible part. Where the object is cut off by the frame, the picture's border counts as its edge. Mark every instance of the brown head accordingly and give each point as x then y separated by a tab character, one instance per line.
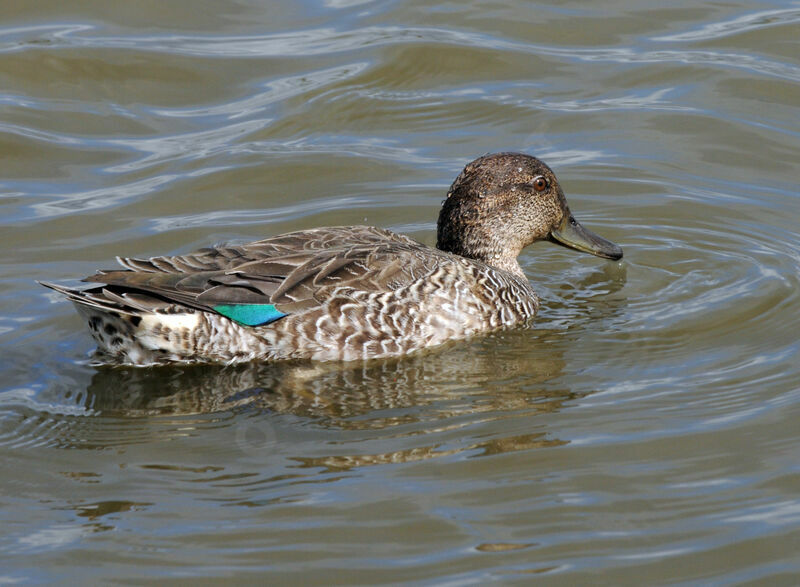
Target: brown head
501	203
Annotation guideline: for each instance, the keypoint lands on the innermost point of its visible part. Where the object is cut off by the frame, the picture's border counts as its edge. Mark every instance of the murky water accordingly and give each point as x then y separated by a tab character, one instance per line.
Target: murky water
644	431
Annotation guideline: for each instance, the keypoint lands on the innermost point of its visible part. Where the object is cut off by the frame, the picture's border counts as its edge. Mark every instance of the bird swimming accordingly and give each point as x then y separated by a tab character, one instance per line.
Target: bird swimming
342	293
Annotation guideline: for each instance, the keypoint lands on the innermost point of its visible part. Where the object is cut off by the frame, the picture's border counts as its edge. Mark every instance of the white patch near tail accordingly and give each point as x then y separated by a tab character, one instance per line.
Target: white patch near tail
167	331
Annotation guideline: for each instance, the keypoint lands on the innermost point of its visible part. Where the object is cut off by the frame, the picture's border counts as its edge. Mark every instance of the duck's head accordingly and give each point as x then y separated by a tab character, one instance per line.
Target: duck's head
503	202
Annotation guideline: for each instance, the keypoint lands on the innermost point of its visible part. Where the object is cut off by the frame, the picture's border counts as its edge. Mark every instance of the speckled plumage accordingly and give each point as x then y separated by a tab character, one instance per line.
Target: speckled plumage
347	293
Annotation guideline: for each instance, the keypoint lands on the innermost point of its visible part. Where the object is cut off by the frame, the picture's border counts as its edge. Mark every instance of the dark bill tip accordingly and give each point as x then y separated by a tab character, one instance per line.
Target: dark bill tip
572	234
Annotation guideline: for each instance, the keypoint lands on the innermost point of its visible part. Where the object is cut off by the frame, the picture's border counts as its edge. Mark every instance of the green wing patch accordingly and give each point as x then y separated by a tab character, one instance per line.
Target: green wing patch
250	314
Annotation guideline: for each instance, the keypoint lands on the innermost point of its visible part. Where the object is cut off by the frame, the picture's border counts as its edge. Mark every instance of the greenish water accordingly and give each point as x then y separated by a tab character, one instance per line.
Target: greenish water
644	431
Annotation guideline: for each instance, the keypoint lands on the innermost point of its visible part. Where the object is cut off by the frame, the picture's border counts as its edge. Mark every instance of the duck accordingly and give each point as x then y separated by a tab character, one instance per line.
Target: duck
342	293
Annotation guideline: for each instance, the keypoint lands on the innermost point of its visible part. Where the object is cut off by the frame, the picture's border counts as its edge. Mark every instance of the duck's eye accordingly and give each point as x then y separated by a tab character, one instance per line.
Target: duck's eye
540	184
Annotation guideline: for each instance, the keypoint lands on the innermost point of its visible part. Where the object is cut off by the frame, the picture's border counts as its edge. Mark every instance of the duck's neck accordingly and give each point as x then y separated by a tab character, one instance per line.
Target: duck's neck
510	265
468	227
485	248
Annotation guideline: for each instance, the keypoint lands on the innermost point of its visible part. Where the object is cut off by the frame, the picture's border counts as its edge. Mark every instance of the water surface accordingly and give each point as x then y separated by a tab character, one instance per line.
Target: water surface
644	430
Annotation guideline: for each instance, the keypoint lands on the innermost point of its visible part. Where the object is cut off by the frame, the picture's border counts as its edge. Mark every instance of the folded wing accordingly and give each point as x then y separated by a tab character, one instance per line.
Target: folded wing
274	277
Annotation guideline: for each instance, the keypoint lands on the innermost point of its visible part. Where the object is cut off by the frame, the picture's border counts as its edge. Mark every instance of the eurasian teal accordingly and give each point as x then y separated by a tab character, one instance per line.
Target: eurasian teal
342	293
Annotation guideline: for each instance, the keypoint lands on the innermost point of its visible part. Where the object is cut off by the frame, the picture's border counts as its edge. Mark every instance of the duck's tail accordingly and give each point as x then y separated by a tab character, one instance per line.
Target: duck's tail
117	323
100	298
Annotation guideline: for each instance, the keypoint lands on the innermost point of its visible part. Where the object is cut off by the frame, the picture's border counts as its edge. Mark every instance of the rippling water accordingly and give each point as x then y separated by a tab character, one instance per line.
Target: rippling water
644	431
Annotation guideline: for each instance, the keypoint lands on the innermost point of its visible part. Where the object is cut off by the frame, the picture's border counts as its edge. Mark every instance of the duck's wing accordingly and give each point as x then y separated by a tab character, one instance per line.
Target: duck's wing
229	256
276	276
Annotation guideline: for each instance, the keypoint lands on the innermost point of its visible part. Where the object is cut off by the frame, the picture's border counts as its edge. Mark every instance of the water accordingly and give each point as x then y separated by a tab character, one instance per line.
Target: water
644	431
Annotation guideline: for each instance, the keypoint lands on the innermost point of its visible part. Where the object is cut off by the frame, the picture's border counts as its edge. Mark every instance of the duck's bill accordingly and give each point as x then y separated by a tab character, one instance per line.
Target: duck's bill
572	234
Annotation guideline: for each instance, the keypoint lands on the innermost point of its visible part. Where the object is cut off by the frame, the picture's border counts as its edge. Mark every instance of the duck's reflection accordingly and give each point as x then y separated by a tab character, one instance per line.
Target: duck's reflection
463	378
416	404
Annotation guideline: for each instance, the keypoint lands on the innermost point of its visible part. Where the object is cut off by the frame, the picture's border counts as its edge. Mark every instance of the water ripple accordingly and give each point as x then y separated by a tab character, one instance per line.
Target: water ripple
115	195
741	24
321	41
271	92
187	146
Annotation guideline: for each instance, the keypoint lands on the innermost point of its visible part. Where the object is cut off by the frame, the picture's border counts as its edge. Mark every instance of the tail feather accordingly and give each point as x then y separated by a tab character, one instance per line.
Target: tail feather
94	298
